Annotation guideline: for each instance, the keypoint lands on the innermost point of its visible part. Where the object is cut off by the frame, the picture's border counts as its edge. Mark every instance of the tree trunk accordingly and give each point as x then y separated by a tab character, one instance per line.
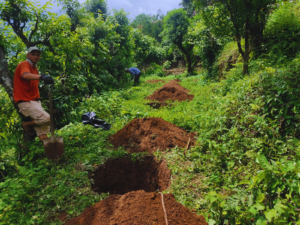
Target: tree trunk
247	48
7	82
189	63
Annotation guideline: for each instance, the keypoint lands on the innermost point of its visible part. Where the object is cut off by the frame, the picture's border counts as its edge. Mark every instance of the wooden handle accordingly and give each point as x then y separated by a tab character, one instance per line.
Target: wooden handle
51	113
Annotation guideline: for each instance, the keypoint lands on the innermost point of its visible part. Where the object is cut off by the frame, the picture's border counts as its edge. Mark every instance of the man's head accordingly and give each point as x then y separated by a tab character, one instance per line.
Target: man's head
34	55
127	70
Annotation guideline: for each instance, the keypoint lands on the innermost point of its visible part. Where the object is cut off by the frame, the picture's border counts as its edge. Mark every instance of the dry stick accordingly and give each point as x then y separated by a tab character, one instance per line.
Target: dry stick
187	147
163	205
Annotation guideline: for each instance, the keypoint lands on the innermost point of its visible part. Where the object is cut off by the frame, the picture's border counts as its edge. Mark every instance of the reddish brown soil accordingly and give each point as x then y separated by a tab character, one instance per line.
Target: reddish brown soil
171	91
150	134
136	208
121	175
155	81
63	216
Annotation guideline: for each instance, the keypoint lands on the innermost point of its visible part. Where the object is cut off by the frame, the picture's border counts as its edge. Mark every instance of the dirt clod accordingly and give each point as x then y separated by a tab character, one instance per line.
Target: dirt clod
122	175
171	91
150	134
137	208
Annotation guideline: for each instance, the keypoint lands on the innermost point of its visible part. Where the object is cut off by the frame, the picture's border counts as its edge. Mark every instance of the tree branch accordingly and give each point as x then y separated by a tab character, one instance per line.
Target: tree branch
35	28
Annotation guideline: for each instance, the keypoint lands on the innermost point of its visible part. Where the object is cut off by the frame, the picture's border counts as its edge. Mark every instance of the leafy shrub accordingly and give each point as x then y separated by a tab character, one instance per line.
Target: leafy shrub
282	34
106	106
155	70
227	58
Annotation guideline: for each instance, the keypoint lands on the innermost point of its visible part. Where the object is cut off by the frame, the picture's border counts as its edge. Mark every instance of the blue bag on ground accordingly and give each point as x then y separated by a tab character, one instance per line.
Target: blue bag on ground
91	119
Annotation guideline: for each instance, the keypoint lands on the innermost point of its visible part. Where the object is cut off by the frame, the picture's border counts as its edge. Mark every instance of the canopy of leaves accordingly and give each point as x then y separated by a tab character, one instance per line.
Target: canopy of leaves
149	25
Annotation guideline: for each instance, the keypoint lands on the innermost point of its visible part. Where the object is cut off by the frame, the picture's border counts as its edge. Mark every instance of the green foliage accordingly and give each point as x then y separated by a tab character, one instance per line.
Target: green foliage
89	59
188	6
155	70
175	31
226	59
207	45
244	168
9	126
146	49
151	25
97	7
241	19
281	42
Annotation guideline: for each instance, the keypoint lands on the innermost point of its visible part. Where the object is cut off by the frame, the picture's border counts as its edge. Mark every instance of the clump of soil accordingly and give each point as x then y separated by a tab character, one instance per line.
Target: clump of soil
137	207
150	134
155	81
122	175
171	91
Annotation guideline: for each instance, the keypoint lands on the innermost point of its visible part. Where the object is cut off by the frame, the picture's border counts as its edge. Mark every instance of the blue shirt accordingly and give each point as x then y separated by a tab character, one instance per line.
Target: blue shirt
134	71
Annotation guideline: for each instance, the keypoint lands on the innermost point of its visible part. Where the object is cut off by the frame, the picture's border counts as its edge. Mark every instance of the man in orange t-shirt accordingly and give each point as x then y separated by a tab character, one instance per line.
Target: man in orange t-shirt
27	95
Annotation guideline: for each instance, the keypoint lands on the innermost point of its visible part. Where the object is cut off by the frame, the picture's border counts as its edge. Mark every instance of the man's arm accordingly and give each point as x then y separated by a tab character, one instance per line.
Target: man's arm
31	76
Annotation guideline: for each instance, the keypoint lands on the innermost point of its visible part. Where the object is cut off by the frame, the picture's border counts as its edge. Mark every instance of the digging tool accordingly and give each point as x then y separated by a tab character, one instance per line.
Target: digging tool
54	146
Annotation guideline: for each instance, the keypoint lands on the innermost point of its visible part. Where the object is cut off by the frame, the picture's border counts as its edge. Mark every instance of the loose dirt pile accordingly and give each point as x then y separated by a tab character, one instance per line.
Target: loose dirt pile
155	81
137	208
150	134
171	91
122	175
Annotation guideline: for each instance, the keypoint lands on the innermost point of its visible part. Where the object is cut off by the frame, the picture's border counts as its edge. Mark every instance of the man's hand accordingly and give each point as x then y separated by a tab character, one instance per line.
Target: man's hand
47	79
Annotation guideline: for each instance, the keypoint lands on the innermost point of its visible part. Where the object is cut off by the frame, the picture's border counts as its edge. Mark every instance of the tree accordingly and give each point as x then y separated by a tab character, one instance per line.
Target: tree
19	14
149	25
188	6
97	7
147	49
176	25
247	20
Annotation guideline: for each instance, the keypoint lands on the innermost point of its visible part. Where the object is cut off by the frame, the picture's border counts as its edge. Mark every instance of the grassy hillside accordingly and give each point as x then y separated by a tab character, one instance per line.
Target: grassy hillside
244	168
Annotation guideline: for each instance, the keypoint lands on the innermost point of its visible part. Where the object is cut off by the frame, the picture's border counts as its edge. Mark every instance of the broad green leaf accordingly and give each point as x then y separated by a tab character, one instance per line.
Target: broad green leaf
253	210
280	208
244	182
259	206
264	163
260	198
261	221
211	222
270	214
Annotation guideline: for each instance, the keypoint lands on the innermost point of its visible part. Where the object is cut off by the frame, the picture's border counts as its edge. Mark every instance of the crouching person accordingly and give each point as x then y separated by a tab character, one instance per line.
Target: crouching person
135	73
27	95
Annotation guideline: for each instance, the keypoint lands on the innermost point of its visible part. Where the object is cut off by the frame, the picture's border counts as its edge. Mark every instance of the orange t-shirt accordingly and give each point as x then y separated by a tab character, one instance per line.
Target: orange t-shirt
25	90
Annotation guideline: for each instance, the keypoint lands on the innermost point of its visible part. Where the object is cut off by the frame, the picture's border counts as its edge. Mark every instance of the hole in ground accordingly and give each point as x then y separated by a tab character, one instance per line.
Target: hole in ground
122	175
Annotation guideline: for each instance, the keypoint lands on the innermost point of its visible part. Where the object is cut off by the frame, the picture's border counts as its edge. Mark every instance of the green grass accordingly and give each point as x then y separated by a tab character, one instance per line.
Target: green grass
216	178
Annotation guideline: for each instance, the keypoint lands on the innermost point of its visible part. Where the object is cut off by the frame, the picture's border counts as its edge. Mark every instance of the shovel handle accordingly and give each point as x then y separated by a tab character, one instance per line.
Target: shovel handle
51	113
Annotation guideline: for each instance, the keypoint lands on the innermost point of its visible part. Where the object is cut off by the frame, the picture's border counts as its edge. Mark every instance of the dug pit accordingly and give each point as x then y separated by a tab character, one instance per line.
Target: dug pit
171	91
150	134
138	207
122	175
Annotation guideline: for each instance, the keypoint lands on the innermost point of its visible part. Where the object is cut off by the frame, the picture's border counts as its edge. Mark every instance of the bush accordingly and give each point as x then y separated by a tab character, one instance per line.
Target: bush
282	35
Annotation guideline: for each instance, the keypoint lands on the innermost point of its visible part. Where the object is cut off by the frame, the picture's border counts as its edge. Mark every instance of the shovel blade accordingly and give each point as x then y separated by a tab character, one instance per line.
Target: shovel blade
54	147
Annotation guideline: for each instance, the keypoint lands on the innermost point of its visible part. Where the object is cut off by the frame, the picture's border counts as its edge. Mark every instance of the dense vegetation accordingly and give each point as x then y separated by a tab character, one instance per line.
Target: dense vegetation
245	167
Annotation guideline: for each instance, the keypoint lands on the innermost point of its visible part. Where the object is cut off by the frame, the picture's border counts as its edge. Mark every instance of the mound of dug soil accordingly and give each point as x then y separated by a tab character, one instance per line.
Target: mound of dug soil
171	91
155	81
122	175
137	208
150	134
